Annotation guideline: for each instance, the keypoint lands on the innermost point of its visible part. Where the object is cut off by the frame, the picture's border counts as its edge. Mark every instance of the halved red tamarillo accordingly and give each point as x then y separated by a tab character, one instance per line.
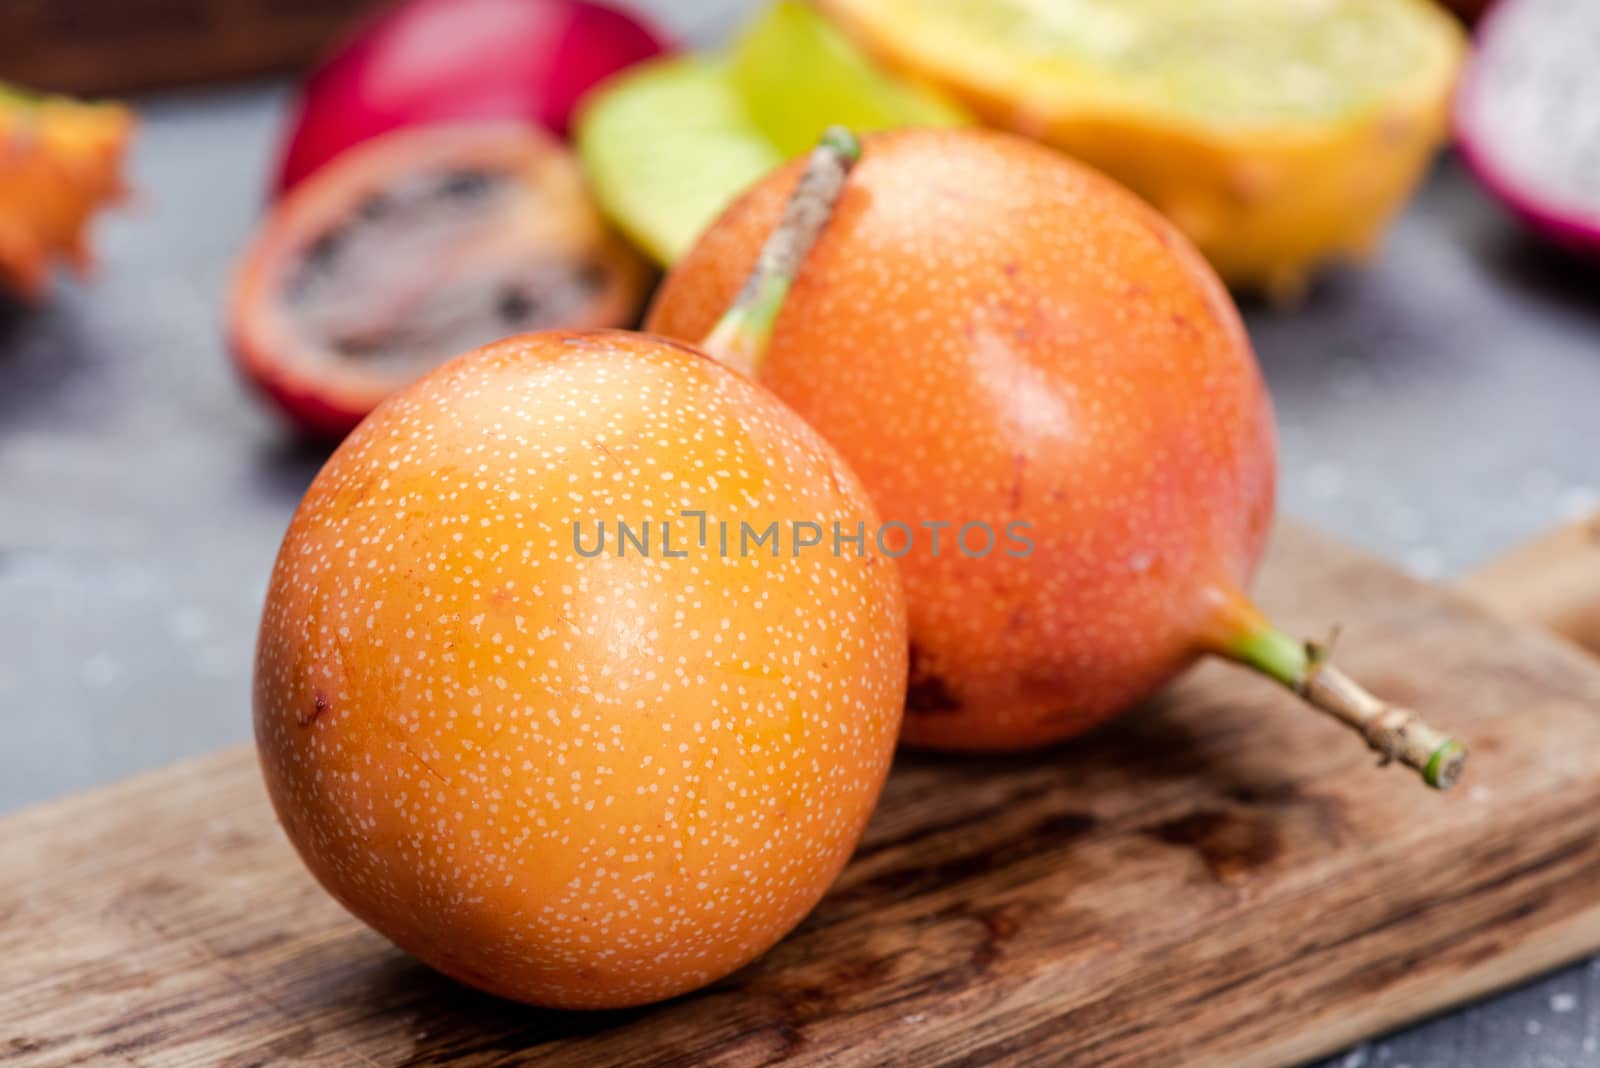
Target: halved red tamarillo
416	246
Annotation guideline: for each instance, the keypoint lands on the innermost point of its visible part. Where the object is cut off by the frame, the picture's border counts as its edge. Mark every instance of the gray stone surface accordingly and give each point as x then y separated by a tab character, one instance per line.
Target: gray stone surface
1437	408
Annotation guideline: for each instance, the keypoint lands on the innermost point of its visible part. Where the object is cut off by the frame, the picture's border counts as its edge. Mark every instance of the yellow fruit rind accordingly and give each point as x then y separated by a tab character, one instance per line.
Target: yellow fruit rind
1267	202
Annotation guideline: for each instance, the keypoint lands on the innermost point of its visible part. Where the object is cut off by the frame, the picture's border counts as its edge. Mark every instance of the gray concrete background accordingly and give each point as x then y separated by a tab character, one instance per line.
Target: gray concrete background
1436	408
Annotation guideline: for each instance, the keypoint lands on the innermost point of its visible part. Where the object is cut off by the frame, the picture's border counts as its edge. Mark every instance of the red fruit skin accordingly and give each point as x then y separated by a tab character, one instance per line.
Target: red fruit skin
1474	137
446	60
992	332
319	416
326	400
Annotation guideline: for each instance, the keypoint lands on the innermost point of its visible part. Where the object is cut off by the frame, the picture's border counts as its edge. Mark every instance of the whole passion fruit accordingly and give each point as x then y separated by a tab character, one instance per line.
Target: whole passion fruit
565	767
416	246
1000	339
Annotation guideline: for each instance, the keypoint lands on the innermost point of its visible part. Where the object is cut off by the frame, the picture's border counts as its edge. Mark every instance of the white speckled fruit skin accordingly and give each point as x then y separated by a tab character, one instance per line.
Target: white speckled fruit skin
991	332
578	782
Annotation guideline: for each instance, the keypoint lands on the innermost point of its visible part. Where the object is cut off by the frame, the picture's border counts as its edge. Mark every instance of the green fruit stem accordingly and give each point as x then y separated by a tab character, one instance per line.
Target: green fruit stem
740	337
1395	733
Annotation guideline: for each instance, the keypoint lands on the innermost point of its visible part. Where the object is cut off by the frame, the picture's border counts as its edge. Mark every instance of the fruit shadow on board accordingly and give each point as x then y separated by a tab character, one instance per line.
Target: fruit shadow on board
446	1019
455	1019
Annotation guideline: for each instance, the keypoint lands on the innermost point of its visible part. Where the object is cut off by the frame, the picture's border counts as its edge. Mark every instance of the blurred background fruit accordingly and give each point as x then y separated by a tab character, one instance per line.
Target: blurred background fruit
666	146
719	726
1277	135
1528	116
669	144
429	61
797	74
60	161
96	46
413	247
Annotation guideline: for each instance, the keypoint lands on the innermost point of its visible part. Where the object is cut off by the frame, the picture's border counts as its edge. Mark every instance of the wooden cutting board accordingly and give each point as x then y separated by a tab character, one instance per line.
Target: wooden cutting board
1218	879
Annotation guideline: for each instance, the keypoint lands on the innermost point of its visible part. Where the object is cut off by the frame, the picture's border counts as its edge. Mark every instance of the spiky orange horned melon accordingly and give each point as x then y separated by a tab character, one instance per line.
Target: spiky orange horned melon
60	160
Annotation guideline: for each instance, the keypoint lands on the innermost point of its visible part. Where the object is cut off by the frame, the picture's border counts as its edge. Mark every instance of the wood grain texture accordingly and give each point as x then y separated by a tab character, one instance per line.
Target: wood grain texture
1217	879
1553	582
